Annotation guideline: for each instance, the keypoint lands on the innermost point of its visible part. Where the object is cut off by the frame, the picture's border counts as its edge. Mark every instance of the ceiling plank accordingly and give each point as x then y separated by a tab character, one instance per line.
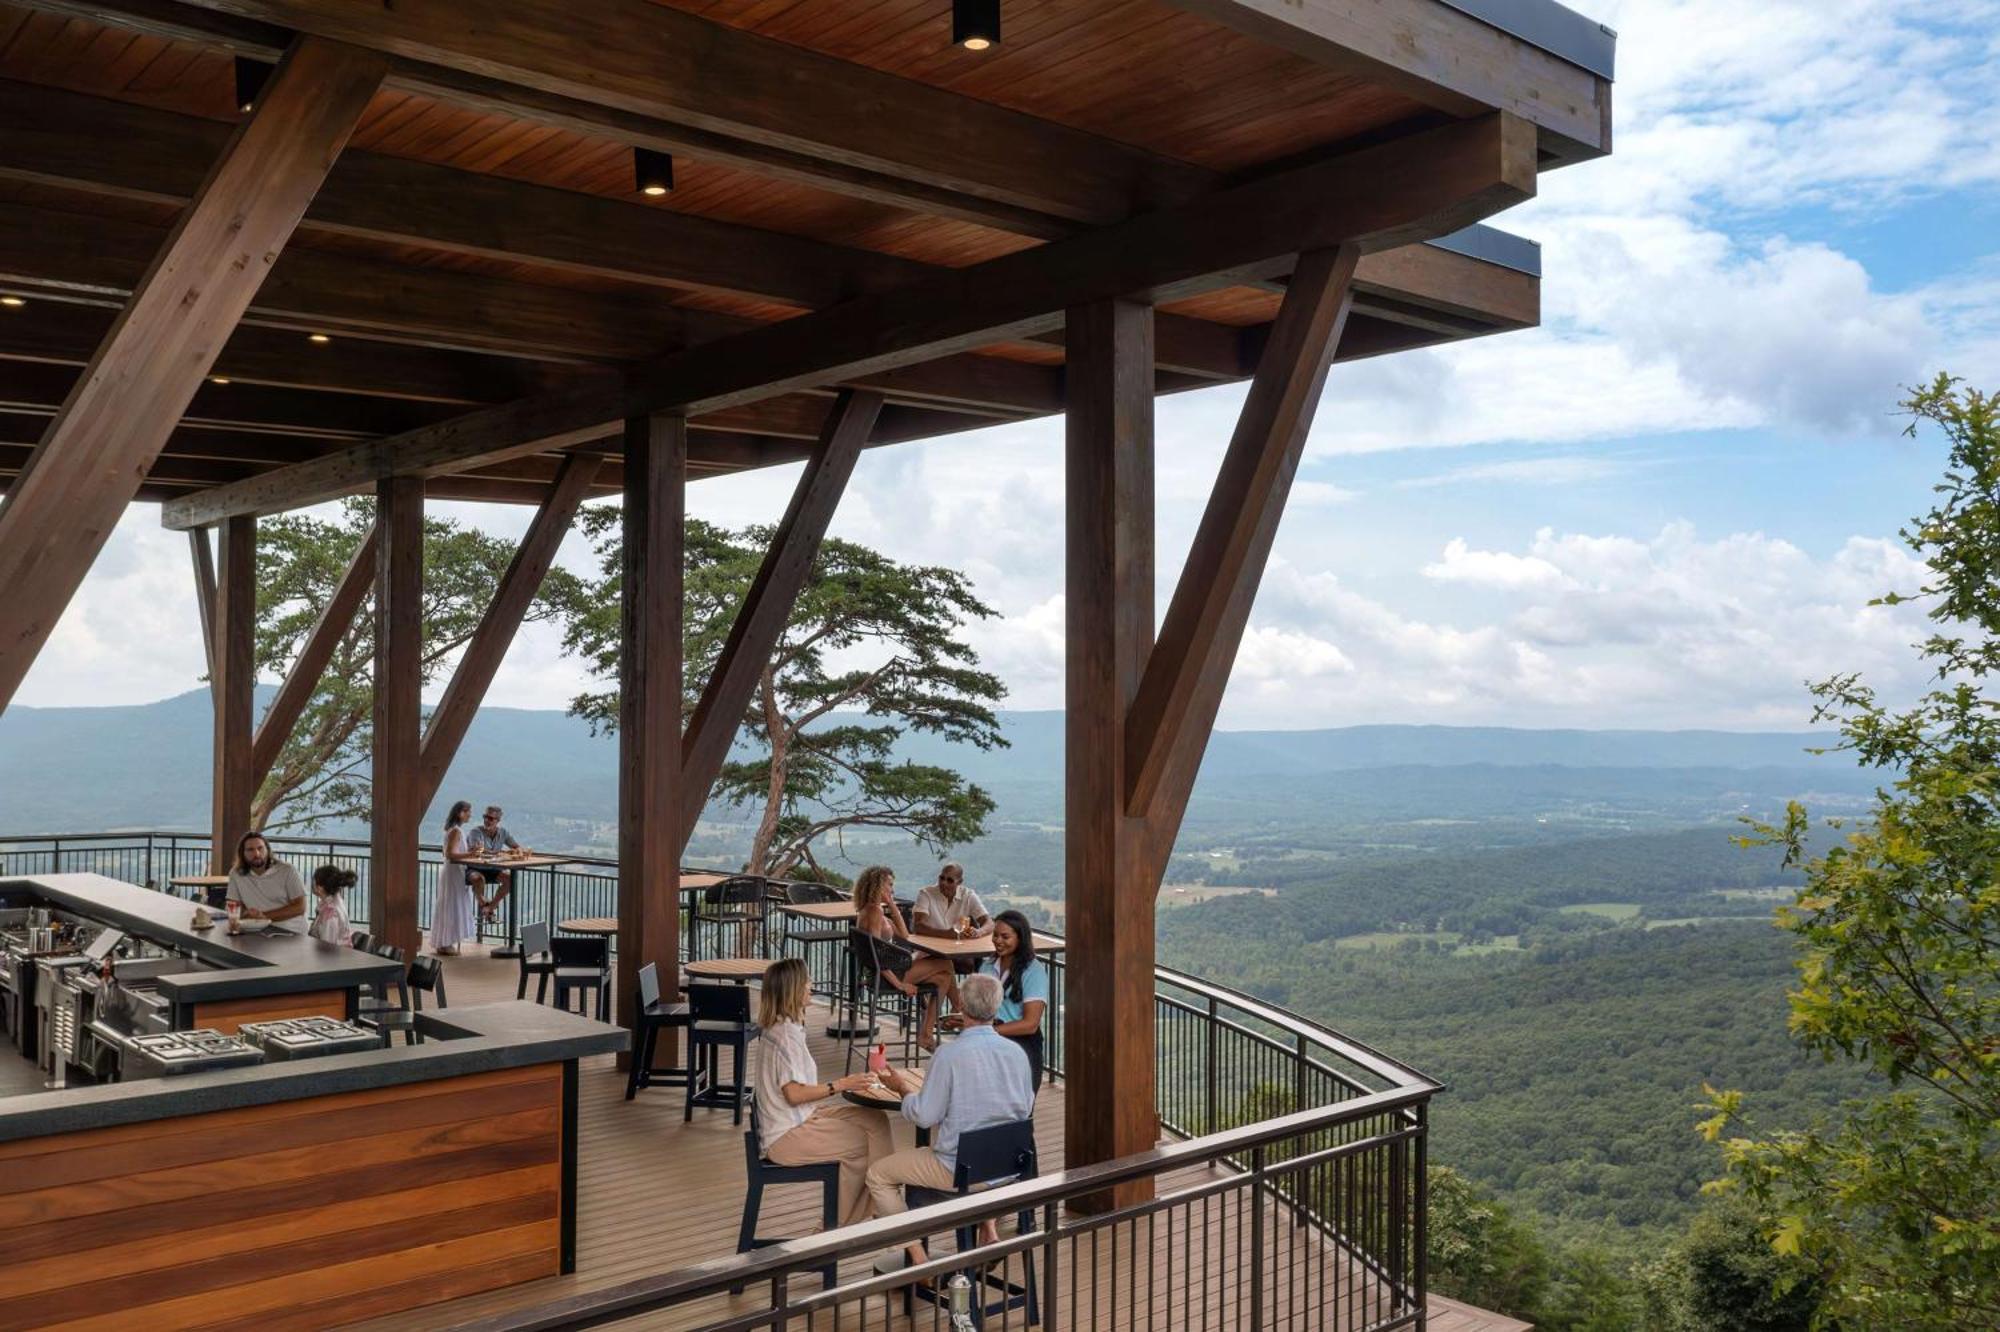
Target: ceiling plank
1434	54
682	69
1391	194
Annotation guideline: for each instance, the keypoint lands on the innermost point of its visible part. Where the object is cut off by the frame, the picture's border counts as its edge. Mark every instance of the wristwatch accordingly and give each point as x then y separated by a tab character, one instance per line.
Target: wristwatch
830	1092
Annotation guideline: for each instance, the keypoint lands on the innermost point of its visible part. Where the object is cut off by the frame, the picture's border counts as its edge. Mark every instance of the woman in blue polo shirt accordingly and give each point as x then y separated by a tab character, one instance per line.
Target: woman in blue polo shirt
1024	986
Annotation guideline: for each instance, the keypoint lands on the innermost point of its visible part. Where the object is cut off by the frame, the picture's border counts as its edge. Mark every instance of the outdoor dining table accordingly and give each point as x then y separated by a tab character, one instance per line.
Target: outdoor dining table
605	925
976	946
741	970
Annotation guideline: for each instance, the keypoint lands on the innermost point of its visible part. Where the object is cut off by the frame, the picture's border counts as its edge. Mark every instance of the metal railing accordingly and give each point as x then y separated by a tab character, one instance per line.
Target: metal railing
1295	1197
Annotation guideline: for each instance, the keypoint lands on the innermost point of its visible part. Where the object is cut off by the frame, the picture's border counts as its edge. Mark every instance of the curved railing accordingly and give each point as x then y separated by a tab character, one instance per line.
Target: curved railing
1294	1194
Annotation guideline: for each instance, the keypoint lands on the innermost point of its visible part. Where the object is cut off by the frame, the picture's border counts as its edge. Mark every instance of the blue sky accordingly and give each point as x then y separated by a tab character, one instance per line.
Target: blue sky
1667	506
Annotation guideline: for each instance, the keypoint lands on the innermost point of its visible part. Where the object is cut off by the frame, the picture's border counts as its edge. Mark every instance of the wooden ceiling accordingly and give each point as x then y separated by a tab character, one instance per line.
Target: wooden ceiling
477	243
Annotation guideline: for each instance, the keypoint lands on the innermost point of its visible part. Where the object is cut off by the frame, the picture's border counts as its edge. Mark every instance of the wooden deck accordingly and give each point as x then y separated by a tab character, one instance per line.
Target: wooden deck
657	1194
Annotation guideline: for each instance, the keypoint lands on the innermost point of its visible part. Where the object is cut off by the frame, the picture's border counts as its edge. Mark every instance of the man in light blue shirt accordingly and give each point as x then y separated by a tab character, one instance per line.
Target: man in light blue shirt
979	1080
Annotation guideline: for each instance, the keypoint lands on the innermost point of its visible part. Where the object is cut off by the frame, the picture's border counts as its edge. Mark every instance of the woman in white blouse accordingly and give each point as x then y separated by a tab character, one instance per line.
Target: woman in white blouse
803	1119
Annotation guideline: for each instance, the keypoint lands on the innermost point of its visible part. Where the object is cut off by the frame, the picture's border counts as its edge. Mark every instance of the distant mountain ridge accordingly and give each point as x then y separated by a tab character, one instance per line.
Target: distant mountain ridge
146	765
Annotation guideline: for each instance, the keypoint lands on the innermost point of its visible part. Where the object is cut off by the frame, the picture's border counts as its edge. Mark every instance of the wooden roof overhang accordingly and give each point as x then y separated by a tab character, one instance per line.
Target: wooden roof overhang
857	203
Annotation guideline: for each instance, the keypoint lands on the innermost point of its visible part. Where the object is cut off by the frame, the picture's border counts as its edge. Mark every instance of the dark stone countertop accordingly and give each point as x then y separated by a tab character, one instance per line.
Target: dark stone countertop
458	1041
246	965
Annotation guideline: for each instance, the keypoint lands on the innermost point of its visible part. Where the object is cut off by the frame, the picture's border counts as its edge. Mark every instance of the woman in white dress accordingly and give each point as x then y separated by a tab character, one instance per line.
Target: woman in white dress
456	916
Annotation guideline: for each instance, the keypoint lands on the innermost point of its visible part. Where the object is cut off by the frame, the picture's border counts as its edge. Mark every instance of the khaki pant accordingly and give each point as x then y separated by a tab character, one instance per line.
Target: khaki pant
855	1137
886	1178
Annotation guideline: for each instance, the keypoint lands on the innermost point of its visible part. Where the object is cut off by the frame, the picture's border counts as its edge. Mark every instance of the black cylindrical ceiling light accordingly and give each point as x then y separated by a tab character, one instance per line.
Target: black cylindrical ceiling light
654	171
250	79
975	24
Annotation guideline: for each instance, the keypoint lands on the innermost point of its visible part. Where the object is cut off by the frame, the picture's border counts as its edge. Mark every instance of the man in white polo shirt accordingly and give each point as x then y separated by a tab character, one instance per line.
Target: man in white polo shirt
267	889
948	908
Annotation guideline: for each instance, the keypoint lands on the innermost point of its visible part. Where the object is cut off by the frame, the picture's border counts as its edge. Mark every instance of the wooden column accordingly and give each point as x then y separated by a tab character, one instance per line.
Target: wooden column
232	686
95	453
649	715
397	779
1108	1014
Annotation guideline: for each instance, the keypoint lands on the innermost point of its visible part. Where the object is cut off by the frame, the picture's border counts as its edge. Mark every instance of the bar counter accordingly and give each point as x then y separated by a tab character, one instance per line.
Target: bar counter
294	1194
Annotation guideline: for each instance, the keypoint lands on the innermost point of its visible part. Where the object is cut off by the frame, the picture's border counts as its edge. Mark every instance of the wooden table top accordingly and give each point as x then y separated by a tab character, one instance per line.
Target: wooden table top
590	925
728	968
701	879
978	946
200	881
538	860
820	910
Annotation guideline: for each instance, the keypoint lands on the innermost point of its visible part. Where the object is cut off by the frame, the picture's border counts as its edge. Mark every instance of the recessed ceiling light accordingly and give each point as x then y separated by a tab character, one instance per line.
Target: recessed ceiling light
318	337
12	302
250	78
975	24
218	379
653	171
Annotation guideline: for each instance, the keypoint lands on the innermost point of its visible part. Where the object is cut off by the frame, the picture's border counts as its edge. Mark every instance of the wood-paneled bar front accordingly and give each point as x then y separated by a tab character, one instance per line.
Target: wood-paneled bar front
449	286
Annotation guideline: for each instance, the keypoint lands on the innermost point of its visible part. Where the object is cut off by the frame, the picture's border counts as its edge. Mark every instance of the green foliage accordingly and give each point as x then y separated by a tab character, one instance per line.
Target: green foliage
1722	1275
867	635
1478	1251
1897	1199
321	775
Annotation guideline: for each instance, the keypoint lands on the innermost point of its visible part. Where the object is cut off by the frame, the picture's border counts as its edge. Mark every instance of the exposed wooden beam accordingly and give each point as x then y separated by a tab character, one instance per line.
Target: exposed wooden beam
117	148
103	145
89	465
335	619
453	715
1174	710
1108	1022
1392	194
45	386
679	68
649	708
767	605
204	594
310	291
1435	54
395	771
67	331
233	687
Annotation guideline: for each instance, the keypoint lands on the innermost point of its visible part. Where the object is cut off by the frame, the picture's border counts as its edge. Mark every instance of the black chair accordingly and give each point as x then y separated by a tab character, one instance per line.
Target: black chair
427	976
758	1172
535	961
737	900
359	939
998	1154
870	955
583	969
385	1016
803	934
718	1016
651	1017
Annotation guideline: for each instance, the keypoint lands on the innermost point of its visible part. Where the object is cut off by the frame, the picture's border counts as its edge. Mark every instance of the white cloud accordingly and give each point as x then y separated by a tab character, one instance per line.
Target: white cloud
1493	568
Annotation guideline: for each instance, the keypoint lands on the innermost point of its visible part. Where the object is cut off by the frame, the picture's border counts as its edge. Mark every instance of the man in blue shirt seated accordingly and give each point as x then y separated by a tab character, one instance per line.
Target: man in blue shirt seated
979	1080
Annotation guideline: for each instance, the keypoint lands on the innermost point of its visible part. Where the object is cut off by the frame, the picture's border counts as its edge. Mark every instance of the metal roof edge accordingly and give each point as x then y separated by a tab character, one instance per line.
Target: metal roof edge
1494	246
1557	29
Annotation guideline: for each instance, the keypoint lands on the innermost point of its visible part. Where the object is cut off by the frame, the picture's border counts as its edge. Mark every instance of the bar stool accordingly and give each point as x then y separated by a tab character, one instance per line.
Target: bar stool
813	937
737	900
650	1018
719	1015
758	1172
583	969
535	960
427	976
